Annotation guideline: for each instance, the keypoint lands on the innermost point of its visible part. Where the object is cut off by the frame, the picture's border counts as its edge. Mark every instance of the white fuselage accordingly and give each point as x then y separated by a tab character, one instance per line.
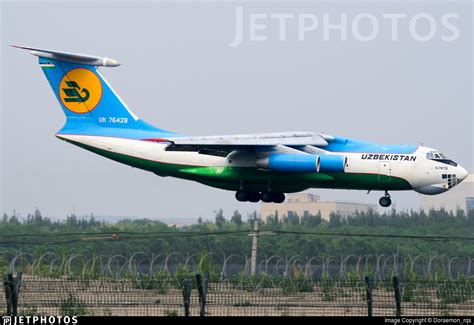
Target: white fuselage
424	175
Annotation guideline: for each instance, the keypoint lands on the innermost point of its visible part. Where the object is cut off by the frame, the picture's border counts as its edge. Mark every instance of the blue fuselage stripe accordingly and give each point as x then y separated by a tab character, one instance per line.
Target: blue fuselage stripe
340	144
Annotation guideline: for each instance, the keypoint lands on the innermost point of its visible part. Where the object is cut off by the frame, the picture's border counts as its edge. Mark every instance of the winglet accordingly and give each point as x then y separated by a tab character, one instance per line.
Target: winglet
71	57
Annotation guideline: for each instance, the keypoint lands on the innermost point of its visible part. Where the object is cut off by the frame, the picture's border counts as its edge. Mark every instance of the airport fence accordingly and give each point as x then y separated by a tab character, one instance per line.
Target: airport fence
180	294
166	284
315	267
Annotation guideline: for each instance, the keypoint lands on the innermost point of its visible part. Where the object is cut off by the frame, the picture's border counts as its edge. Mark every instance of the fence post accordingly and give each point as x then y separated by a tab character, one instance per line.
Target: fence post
12	292
186	295
368	288
396	288
8	295
202	288
16	290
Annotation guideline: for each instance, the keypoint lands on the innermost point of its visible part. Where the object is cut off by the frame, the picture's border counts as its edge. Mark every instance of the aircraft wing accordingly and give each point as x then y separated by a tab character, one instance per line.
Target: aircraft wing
221	145
262	139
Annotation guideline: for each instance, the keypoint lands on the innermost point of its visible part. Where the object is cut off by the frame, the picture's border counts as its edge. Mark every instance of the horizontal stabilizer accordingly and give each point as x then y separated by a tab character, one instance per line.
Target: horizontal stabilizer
72	57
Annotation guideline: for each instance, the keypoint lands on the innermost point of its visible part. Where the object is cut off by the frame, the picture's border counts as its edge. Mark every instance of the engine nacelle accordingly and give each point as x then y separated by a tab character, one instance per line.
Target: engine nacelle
332	163
290	163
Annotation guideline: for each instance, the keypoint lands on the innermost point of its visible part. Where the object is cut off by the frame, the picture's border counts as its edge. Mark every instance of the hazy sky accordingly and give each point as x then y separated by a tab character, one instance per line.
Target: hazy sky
180	73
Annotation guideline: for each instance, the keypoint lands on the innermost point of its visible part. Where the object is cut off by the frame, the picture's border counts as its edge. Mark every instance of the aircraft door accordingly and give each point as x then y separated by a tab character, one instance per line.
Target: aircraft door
385	171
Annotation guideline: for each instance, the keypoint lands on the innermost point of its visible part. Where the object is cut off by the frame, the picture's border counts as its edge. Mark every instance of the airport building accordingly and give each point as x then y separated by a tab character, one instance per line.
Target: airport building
305	204
459	197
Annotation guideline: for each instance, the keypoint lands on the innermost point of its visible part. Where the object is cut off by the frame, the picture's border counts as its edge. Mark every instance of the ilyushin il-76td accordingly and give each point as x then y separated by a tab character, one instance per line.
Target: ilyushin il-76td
255	166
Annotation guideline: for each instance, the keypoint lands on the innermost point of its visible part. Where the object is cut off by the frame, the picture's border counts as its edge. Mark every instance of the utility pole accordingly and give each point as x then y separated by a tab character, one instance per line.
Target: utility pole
255	234
253	260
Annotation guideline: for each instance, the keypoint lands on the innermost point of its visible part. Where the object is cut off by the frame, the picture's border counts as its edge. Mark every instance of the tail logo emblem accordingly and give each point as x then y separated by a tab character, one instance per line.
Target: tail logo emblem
73	94
80	90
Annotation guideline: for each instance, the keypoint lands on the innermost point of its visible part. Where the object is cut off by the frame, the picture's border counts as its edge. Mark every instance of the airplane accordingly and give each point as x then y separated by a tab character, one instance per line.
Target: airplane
255	166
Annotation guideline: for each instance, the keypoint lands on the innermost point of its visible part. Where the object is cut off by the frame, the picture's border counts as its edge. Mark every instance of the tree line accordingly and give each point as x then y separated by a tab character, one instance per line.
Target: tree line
228	234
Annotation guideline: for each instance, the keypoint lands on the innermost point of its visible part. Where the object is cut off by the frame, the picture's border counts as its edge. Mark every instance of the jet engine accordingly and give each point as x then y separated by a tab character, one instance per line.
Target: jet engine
332	163
288	162
303	163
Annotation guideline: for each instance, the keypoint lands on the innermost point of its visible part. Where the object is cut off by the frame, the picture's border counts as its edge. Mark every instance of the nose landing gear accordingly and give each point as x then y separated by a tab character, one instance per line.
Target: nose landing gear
385	201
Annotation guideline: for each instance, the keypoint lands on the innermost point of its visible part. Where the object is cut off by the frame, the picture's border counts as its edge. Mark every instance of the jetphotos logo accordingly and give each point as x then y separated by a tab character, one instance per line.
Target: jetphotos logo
32	320
80	90
257	25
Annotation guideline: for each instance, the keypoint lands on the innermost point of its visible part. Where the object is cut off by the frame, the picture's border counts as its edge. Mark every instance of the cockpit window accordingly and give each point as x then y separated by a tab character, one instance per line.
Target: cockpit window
438	156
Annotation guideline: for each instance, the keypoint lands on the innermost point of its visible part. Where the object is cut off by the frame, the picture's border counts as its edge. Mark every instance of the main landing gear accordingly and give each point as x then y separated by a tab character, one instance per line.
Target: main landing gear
244	196
385	201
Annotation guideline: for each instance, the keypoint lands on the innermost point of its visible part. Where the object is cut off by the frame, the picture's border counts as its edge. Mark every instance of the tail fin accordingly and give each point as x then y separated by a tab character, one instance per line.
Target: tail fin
90	104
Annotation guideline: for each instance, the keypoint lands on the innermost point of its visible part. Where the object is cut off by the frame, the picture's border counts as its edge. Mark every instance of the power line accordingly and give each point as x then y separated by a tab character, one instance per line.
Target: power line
443	238
172	233
127	236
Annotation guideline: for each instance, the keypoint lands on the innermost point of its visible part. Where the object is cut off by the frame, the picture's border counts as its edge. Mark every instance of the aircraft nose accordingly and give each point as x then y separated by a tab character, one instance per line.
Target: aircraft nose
462	173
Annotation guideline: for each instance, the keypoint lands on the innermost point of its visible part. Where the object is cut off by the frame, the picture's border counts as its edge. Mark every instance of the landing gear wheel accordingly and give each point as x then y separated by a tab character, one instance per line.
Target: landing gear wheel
266	197
385	201
254	197
242	196
278	197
